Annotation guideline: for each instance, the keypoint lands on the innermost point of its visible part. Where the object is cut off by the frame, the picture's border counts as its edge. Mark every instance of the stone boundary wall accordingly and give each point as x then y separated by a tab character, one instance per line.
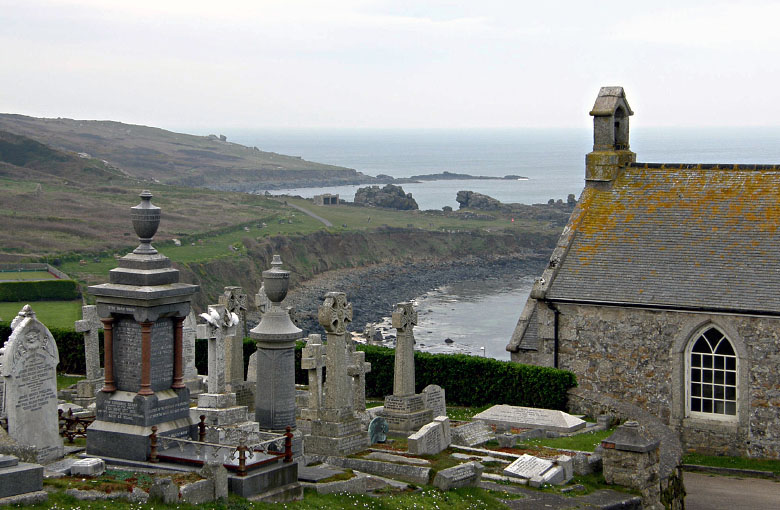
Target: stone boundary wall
591	403
704	166
35	267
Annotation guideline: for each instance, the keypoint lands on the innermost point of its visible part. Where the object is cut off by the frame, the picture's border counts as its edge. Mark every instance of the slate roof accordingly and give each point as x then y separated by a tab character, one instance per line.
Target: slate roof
679	236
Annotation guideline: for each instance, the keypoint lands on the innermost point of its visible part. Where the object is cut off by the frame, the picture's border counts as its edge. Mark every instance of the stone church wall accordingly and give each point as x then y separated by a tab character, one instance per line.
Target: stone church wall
638	355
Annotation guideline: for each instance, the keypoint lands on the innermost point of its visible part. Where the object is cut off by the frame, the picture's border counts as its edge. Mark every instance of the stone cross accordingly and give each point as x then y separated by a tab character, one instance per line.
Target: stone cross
219	325
404	319
334	315
234	300
313	361
261	301
358	370
89	325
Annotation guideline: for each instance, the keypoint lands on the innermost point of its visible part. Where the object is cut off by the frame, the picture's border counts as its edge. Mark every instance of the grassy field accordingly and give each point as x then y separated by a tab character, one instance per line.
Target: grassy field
54	314
16	276
733	462
586	442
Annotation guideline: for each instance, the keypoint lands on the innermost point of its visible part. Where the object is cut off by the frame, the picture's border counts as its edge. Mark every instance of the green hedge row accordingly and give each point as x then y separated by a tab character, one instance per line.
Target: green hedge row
69	344
43	290
468	380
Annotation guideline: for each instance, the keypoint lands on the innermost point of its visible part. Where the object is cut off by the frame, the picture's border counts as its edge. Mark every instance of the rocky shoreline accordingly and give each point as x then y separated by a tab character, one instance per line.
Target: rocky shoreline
374	290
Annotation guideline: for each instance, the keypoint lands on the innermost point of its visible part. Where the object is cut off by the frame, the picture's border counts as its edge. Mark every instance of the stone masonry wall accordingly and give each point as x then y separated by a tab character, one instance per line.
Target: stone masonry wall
637	355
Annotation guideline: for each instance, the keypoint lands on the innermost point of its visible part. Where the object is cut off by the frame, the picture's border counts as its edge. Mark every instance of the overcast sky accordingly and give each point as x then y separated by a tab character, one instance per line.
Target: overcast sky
222	64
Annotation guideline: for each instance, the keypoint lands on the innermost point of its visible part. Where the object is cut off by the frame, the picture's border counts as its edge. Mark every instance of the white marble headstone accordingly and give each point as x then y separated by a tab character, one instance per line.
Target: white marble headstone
528	466
530	418
29	369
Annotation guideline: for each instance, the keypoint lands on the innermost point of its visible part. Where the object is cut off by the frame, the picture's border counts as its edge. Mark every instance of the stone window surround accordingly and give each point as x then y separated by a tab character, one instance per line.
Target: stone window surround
689	331
688	378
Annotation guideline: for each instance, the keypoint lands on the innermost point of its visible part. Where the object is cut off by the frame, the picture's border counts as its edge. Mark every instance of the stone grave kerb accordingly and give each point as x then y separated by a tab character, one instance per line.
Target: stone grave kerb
142	307
90	325
404	319
334	314
275	338
28	367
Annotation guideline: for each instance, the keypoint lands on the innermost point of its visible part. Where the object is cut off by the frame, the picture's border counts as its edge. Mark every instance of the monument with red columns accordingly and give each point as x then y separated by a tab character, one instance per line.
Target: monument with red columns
142	309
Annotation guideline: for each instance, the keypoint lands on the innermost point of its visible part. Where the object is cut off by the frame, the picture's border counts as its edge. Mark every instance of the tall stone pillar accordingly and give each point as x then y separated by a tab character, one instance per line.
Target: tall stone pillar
404	410
275	337
140	308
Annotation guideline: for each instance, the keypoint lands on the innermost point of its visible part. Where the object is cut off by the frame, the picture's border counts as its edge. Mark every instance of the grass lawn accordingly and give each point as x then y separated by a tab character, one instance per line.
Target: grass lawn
66	381
585	442
54	314
427	499
16	276
733	462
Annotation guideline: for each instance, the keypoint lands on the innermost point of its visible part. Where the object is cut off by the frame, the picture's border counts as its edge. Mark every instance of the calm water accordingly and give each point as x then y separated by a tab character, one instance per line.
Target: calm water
483	314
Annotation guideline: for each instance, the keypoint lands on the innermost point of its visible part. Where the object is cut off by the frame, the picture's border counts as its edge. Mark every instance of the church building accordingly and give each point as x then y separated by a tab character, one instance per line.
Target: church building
664	291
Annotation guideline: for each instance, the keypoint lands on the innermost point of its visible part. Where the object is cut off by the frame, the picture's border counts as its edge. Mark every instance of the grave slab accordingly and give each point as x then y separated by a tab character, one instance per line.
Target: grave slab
528	466
474	433
462	475
503	415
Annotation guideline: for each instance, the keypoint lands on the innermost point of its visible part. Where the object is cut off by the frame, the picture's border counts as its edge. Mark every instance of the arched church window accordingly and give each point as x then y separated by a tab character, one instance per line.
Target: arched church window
712	375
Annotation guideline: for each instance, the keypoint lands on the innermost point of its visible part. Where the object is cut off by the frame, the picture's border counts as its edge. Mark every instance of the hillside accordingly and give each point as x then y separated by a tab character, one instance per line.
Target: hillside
176	158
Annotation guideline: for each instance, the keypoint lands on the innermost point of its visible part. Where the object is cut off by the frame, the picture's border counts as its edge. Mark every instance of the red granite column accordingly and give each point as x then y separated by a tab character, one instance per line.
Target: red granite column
108	355
178	323
146	359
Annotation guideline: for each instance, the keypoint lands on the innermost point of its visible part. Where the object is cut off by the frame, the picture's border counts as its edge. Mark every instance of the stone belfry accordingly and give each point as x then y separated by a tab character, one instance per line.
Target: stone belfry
611	149
142	308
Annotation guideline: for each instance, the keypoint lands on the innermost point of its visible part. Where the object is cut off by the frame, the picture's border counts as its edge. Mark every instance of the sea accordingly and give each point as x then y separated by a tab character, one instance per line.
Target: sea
478	317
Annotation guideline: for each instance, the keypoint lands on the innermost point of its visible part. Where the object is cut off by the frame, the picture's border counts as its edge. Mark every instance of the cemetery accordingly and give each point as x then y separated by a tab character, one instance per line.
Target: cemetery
307	418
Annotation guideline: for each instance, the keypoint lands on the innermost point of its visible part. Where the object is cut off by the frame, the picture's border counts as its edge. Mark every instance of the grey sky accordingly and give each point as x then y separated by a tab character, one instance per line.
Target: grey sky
441	64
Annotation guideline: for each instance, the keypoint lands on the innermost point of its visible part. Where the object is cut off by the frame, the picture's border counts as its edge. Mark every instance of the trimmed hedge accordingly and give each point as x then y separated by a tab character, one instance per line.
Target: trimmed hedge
40	290
69	344
468	380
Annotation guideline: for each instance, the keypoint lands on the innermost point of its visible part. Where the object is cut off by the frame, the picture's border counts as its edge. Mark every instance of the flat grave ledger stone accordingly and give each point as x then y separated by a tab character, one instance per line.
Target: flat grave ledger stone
503	415
528	466
434	399
474	433
29	362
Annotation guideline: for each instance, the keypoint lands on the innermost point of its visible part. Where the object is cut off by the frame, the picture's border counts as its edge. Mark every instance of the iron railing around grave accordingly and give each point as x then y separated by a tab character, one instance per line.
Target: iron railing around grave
279	446
71	426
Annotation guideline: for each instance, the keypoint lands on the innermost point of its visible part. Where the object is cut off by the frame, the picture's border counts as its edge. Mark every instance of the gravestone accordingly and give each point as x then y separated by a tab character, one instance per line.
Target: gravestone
527	466
251	369
530	418
429	440
336	430
89	325
404	410
434	399
462	475
474	433
377	430
313	360
189	330
142	308
227	421
358	370
18	478
235	301
275	338
29	369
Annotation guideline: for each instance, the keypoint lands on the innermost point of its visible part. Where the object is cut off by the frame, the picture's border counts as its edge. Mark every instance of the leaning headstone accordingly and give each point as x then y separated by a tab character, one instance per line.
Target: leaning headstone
251	370
164	491
377	430
219	476
29	368
507	416
474	433
429	440
434	399
462	475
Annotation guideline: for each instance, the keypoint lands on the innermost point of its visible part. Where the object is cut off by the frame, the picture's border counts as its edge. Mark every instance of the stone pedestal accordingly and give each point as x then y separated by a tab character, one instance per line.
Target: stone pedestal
406	414
631	458
19	477
227	422
142	309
